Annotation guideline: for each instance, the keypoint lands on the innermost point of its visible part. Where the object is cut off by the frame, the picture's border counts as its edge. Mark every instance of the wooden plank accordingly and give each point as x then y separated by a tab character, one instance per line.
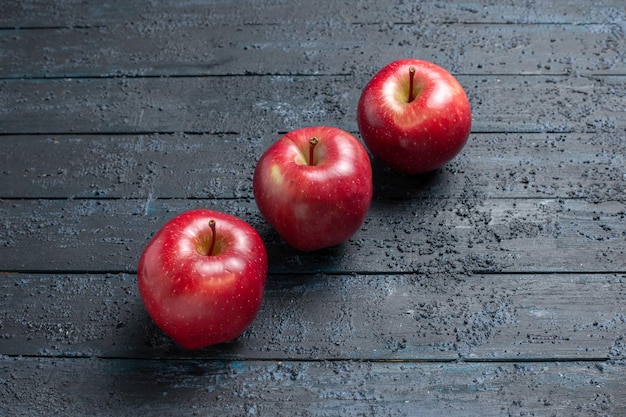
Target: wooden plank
256	105
154	388
588	166
383	317
70	13
121	166
175	49
445	235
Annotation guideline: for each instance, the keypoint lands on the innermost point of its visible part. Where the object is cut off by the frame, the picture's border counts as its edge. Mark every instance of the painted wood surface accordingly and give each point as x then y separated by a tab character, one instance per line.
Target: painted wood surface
327	388
268	105
495	286
406	317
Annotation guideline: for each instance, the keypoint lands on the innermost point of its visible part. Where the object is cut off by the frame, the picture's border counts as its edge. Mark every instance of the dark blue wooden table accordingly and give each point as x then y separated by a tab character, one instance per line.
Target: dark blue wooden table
494	286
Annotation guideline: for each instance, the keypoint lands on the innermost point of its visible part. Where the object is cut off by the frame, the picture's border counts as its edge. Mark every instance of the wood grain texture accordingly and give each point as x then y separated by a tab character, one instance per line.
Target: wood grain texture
70	13
284	388
416	317
495	286
333	48
179	165
275	104
456	236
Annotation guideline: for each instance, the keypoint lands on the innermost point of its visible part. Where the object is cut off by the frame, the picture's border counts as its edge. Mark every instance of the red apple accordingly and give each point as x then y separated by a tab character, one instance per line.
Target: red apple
314	186
414	116
202	277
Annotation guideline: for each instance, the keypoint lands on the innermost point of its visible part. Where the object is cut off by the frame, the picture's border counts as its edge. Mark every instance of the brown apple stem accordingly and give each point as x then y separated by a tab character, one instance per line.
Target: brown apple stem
312	143
411	84
212	246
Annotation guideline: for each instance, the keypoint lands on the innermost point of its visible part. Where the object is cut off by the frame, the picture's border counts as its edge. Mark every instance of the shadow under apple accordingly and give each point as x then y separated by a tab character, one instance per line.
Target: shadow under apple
285	259
390	184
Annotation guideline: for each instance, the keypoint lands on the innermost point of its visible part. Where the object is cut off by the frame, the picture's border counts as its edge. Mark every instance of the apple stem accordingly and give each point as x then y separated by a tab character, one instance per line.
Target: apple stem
312	143
411	83
212	246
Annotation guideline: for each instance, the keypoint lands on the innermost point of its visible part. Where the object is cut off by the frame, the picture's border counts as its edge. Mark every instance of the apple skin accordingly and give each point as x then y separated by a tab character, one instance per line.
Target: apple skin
199	299
314	206
418	136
